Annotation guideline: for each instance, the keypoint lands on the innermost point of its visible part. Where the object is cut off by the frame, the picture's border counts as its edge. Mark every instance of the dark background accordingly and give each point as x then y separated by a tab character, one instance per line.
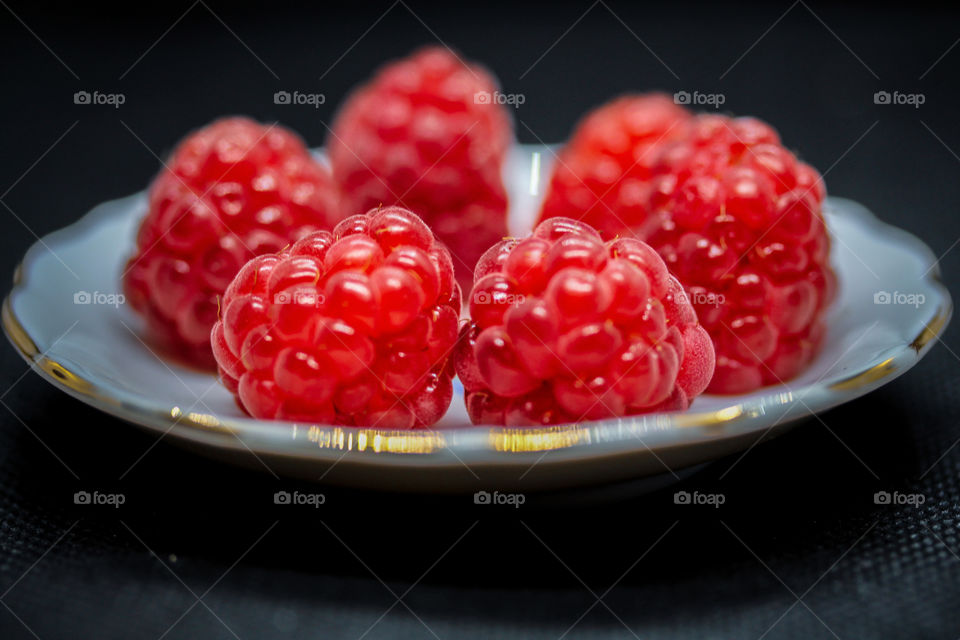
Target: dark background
799	520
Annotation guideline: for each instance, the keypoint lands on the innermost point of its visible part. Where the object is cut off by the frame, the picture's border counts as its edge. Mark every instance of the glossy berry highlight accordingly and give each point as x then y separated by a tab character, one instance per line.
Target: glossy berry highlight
229	192
566	327
352	327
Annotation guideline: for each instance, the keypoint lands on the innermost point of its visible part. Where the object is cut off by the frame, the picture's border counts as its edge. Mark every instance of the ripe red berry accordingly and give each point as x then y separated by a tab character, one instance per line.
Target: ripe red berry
354	327
565	327
230	191
602	175
736	217
427	133
739	220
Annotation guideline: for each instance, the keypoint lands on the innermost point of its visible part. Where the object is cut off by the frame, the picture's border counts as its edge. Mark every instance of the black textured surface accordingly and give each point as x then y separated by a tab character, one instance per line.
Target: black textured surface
799	521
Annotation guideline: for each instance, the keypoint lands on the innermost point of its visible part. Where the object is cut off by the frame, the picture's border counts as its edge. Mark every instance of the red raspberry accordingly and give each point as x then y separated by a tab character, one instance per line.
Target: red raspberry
427	134
739	220
353	327
567	328
602	175
232	190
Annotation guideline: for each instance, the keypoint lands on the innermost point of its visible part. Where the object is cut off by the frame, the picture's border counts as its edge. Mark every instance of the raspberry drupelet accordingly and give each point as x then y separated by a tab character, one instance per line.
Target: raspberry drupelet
230	191
565	327
738	219
428	134
602	175
354	327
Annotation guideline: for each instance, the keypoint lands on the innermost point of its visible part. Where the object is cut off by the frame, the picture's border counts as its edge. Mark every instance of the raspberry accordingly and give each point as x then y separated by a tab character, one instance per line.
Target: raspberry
566	327
230	191
427	134
738	219
353	327
602	176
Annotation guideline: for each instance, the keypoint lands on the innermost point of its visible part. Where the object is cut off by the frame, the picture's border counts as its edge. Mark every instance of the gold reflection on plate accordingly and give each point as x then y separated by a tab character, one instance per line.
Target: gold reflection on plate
539	439
931	331
376	440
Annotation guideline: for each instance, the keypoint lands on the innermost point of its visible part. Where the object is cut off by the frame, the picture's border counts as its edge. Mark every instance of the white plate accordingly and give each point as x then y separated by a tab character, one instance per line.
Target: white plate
94	353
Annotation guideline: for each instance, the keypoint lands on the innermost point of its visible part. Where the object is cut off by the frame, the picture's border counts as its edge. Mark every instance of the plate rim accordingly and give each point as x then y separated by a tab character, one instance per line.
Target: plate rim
483	444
